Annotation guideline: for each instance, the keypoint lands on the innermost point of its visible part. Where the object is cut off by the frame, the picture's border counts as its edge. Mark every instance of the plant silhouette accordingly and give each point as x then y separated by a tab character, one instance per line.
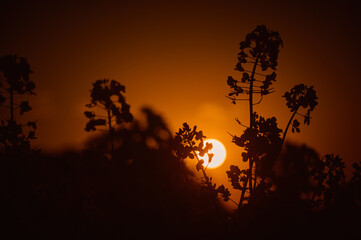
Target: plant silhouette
284	185
118	111
258	51
145	186
300	96
188	143
262	140
15	80
143	189
281	179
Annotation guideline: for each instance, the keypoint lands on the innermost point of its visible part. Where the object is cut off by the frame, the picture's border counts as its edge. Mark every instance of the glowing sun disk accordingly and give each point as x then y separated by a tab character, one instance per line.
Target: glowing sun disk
219	152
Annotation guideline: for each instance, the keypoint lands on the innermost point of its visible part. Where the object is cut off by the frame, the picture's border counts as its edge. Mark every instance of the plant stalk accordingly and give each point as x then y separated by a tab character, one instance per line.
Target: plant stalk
288	125
203	171
110	132
251	126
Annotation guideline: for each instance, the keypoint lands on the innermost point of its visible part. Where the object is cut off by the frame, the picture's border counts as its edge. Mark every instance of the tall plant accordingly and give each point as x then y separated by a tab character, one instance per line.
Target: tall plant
108	96
15	83
259	52
262	140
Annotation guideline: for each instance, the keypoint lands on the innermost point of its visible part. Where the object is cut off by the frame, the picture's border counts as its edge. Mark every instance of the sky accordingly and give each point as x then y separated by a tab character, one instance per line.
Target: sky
175	57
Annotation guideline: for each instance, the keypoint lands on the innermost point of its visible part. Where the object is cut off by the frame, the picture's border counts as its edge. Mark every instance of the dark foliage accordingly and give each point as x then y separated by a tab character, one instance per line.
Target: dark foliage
15	75
13	138
284	205
261	138
260	48
118	111
142	190
101	95
15	80
285	186
188	143
300	96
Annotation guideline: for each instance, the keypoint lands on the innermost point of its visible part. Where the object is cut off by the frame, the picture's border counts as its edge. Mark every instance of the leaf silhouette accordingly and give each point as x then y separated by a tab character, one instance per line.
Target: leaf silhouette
199	165
224	192
31	135
24	107
89	114
91	125
32	124
210	157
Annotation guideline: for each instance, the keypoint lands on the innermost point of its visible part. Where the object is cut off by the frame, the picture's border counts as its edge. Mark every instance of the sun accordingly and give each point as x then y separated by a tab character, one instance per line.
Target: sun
219	152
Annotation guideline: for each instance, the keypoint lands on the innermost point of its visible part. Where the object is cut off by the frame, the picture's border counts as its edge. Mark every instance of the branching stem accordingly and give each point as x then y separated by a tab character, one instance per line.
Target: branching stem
203	170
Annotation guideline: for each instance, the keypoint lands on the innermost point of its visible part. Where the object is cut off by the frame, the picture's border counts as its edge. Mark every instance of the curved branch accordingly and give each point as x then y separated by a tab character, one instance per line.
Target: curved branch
259	101
234	202
237	99
240	123
260	74
288	125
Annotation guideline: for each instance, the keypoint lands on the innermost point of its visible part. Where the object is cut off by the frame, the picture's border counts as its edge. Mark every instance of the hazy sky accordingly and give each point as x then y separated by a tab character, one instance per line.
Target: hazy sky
175	56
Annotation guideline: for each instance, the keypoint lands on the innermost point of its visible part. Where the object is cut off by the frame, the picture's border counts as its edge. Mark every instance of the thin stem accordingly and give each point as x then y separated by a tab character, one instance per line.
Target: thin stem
230	134
257	74
288	124
249	179
255	175
250	57
203	171
240	123
110	132
242	194
221	219
238	99
246	87
302	115
251	125
258	101
206	166
233	201
104	108
194	180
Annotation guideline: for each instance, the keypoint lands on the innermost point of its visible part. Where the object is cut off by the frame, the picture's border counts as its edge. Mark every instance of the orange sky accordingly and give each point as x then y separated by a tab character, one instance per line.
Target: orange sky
175	56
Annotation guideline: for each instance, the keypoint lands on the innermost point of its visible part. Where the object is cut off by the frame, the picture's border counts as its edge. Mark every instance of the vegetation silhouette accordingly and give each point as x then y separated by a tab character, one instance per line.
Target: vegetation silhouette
262	141
15	81
285	186
143	186
118	111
